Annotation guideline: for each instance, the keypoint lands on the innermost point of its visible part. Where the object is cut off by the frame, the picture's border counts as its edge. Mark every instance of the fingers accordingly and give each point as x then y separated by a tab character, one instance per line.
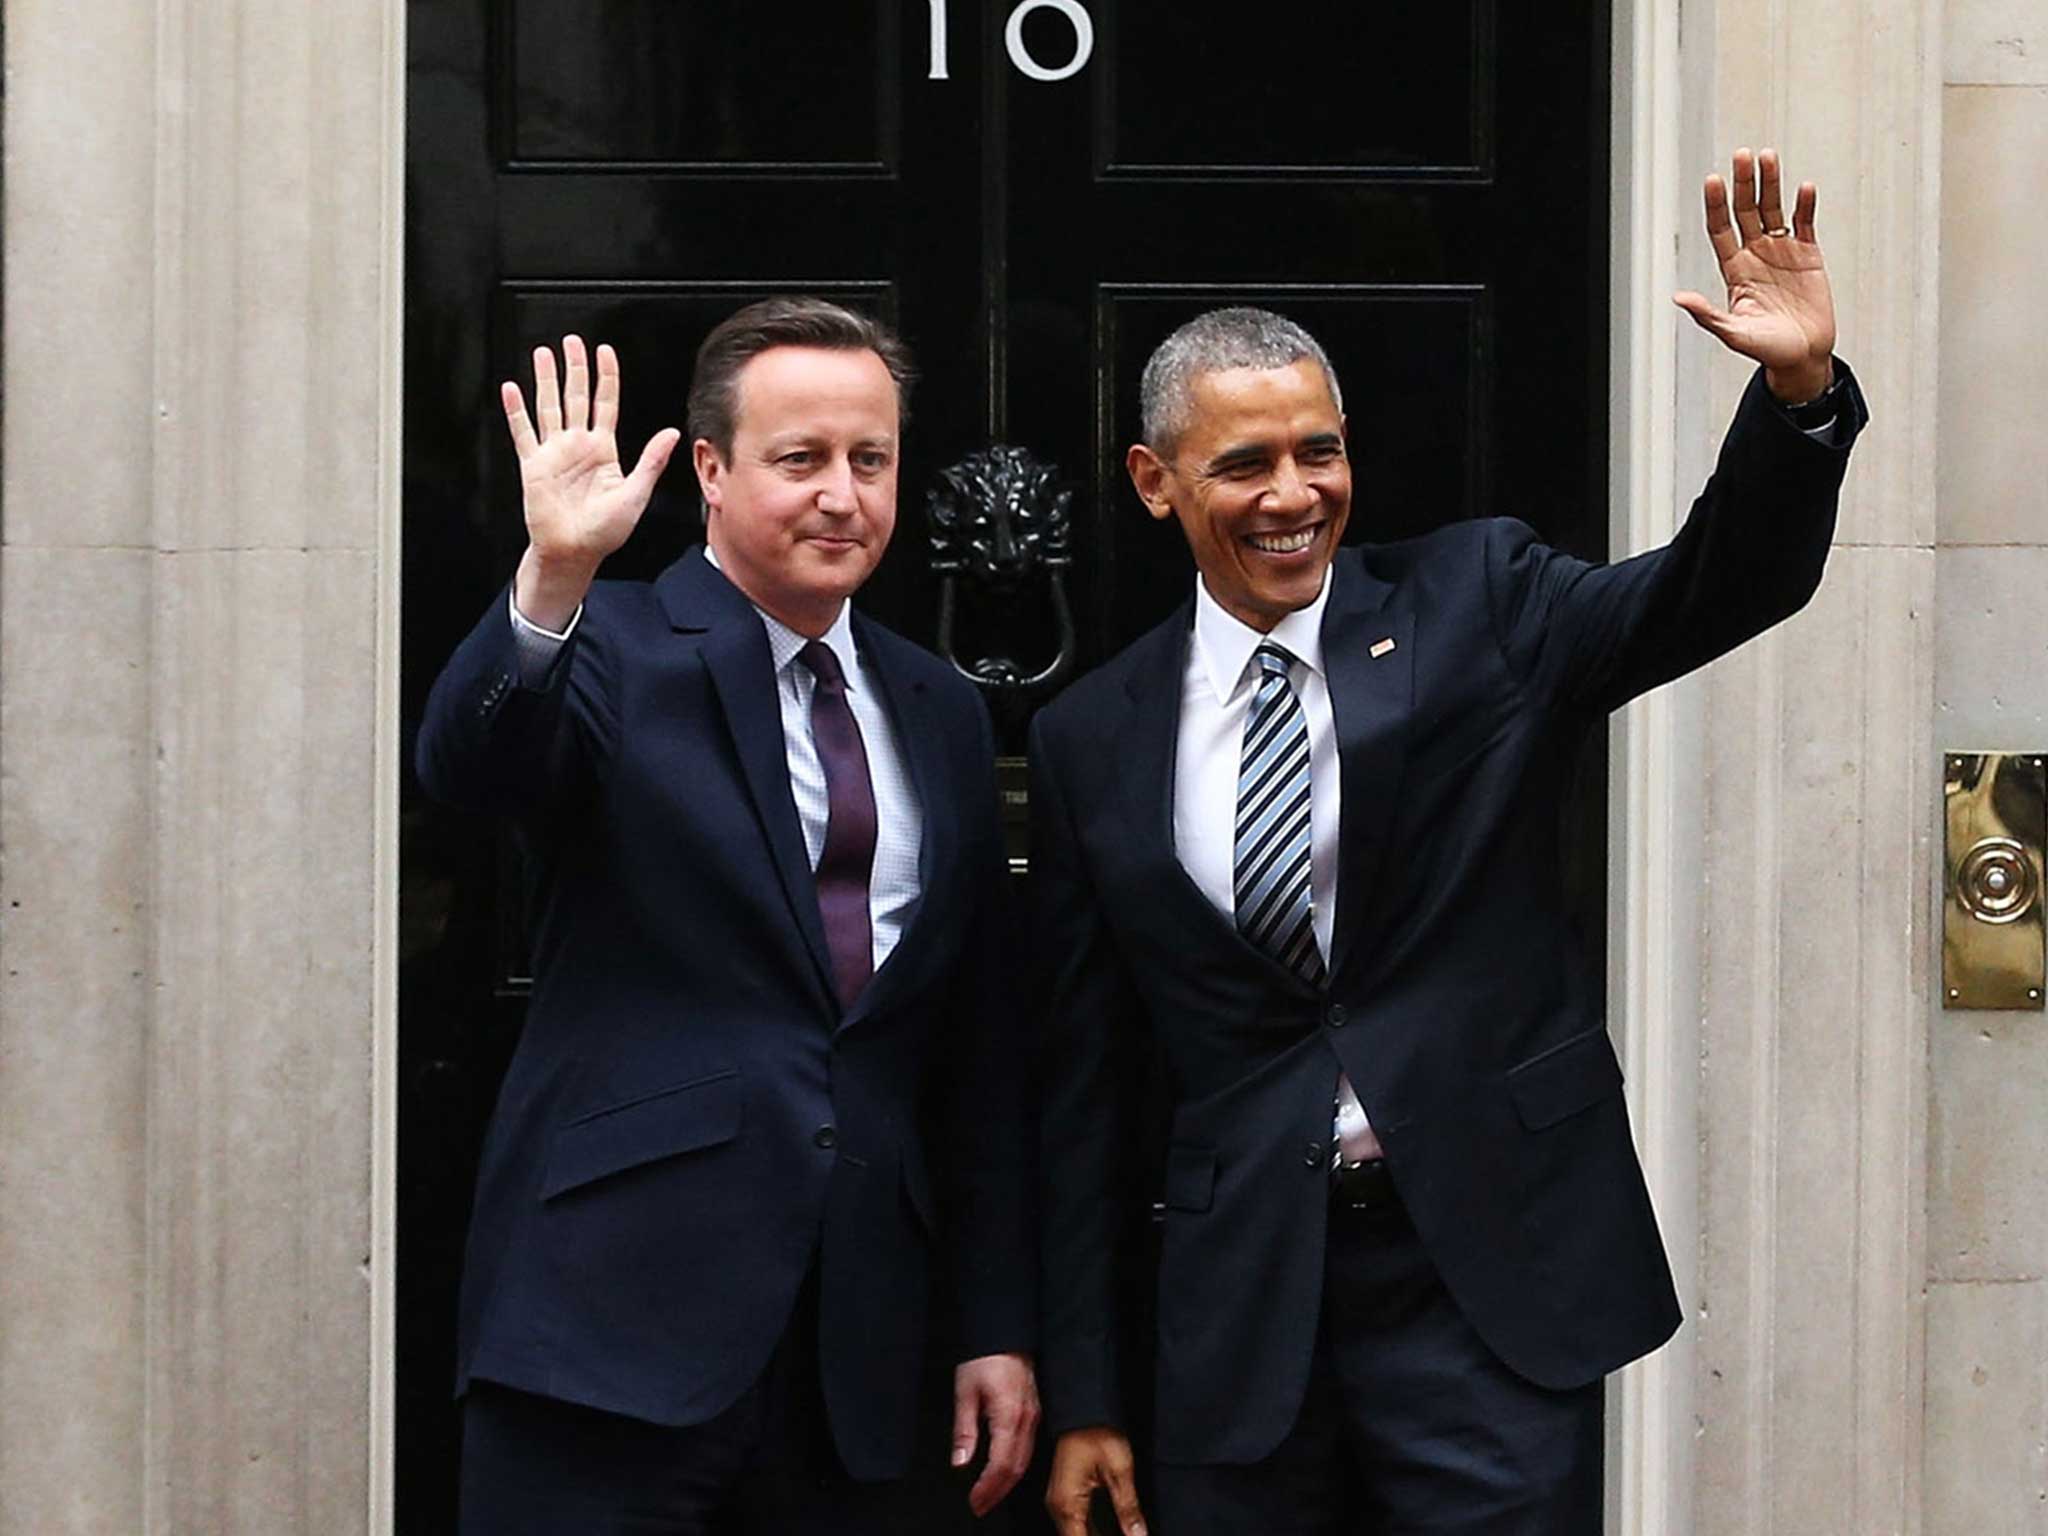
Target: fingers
1123	1494
1746	217
653	460
1067	1491
1720	227
605	417
1802	212
523	440
1013	1426
966	1423
547	399
1770	200
576	386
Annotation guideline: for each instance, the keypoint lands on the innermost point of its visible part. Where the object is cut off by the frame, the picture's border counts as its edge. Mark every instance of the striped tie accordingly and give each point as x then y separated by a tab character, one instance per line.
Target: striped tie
1272	873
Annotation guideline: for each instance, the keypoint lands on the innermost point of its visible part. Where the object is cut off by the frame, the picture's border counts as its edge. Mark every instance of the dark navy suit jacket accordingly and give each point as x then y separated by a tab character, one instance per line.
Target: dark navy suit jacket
689	1123
1455	1000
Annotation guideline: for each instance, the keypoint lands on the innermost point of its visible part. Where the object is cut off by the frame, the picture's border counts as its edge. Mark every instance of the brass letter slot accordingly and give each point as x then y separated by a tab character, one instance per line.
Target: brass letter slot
1992	926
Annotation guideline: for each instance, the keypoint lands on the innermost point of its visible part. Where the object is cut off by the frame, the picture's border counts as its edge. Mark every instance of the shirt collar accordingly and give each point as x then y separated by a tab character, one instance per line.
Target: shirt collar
1224	644
784	642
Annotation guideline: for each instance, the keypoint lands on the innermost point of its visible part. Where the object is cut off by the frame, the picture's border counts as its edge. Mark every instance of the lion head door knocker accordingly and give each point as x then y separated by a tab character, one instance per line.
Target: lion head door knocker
999	526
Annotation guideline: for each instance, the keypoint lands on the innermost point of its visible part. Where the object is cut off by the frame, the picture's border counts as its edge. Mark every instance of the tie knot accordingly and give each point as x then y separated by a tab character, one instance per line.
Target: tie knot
1274	659
824	665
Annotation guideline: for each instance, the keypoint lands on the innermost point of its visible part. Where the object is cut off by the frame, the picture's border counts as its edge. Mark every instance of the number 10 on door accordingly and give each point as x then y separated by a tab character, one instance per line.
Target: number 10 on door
1013	38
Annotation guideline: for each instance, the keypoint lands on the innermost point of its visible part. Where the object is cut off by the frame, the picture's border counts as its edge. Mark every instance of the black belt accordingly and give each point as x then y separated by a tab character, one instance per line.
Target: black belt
1363	1187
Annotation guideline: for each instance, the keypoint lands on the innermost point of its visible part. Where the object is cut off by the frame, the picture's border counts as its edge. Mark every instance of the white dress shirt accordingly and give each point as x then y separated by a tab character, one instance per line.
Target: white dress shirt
894	886
1215	701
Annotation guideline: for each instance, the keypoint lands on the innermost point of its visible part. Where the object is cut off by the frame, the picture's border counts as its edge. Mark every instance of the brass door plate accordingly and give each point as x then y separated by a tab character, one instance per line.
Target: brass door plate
1994	938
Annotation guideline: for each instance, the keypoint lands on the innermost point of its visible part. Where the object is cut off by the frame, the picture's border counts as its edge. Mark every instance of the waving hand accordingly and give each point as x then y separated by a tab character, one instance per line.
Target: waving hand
580	506
1780	309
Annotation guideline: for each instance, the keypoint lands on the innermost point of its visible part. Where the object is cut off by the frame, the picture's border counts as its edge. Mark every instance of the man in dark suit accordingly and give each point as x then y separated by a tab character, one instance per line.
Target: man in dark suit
1405	1233
767	1069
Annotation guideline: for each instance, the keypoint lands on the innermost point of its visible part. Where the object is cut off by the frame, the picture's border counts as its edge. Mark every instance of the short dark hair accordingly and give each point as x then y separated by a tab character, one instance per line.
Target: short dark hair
1214	342
792	321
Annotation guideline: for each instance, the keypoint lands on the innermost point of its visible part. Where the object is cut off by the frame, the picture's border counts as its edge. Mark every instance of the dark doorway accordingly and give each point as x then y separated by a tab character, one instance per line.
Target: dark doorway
1424	186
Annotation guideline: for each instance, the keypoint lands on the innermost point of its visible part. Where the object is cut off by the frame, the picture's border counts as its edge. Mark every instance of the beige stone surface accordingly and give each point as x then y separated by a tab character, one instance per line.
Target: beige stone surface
1987	1380
268	272
1997	42
258	1190
1994	314
79	173
74	1019
1992	645
194	584
1812	1047
1987	1195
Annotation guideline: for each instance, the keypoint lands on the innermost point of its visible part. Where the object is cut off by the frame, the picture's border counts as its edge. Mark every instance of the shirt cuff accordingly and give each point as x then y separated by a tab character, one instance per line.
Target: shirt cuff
537	648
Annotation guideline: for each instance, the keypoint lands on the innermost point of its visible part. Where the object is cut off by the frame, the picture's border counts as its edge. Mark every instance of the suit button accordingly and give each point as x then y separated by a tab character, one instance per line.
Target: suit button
1312	1155
1336	1016
825	1137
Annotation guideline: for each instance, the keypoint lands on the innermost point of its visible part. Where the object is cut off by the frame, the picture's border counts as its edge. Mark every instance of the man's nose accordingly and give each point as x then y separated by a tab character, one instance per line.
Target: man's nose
835	487
1290	492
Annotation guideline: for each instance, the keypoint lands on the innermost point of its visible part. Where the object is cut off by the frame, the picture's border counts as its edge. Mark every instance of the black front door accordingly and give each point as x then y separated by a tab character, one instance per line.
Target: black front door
1035	194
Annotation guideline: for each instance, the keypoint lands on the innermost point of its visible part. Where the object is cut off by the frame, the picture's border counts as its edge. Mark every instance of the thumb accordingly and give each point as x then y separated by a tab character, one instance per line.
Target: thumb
966	1424
653	460
1705	314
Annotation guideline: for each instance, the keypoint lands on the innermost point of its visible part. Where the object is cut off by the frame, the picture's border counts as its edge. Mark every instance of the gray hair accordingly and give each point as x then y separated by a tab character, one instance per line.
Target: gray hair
1210	343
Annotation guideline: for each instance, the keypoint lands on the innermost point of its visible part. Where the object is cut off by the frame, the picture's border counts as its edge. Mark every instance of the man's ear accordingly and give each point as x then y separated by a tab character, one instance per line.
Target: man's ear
1148	473
710	470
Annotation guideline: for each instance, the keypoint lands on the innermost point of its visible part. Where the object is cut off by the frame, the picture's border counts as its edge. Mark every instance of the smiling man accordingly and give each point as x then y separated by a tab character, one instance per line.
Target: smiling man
768	1080
1404	1229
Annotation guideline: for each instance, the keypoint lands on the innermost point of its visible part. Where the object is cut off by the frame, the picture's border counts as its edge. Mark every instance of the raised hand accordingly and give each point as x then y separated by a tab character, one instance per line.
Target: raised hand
579	505
1780	310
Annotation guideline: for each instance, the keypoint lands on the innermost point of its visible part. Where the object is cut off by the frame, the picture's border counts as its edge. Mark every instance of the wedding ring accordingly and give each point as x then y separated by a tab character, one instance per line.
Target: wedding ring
1779	232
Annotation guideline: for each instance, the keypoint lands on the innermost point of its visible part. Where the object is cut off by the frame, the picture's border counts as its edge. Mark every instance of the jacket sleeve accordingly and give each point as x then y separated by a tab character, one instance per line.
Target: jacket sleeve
1088	1012
490	743
1749	555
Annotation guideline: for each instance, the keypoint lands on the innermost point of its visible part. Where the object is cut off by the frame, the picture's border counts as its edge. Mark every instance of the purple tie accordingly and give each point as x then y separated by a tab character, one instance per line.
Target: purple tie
849	851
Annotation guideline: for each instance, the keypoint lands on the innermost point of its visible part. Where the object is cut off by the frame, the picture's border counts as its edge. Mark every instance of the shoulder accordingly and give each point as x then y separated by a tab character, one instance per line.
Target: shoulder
1461	561
1155	659
1453	547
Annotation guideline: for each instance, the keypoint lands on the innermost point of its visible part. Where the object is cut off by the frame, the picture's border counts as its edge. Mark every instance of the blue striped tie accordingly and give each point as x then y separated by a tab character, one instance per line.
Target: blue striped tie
1274	911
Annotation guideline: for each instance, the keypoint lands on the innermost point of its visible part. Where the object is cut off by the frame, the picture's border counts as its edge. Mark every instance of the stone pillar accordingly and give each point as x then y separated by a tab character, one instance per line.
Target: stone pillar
1987	1250
1817	855
197	765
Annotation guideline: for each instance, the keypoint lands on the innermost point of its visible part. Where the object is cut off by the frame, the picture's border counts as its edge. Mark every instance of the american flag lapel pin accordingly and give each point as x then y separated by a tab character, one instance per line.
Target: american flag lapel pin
1381	647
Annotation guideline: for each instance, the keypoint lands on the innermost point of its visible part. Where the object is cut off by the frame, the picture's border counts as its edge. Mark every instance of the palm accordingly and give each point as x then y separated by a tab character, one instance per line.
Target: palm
580	505
577	497
1780	310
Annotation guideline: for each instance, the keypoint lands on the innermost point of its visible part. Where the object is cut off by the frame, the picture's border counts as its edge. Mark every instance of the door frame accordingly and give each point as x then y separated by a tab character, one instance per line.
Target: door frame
1654	825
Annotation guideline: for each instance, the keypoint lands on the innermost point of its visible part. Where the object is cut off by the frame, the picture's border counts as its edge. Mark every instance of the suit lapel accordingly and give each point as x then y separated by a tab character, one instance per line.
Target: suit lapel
735	652
920	739
1369	656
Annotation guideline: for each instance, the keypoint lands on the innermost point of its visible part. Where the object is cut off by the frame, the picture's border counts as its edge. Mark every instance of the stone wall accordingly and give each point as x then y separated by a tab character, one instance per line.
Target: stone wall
196	759
1987	1248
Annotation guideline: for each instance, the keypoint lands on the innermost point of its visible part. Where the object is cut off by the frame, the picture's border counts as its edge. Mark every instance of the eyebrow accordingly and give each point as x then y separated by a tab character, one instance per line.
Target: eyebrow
1244	453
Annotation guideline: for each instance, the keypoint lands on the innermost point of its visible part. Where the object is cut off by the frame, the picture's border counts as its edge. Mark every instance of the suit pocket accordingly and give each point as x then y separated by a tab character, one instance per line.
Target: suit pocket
1190	1178
1572	1075
668	1122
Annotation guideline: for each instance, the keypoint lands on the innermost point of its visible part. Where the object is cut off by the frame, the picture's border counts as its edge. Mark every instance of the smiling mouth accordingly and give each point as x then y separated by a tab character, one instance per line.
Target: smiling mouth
1284	543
